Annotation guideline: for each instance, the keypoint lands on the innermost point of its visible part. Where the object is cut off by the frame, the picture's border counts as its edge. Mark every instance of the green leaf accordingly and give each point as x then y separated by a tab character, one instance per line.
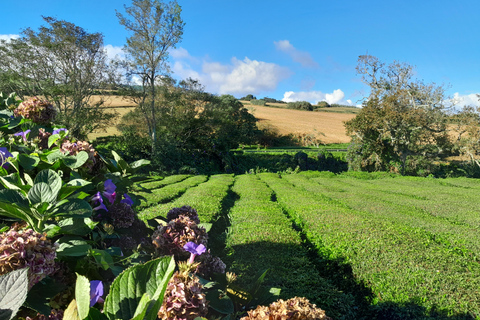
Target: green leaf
13	292
220	301
76	161
55	156
16	122
76	208
71	246
76	226
52	139
103	258
41	192
39	296
129	287
11	181
28	162
82	296
51	178
141	310
139	163
206	225
95	314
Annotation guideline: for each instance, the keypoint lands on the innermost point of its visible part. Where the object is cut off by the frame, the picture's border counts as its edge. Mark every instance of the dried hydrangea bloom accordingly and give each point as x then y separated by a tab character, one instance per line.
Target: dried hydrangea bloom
297	308
73	148
184	298
37	110
171	239
184	211
42	139
209	265
122	215
27	248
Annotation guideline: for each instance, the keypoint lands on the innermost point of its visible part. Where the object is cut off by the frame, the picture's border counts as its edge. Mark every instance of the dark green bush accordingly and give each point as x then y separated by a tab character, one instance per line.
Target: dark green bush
300	105
323	104
258	102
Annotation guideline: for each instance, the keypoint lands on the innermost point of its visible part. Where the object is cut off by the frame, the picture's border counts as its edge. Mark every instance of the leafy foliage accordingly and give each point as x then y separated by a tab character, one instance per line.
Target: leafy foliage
402	120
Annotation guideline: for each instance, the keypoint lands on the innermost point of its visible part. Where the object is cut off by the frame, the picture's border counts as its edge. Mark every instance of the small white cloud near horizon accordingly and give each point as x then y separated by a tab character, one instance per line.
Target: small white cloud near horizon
9	36
302	57
239	77
315	96
459	101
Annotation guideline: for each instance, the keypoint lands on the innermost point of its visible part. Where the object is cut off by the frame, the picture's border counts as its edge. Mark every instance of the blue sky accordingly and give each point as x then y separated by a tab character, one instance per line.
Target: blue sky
294	50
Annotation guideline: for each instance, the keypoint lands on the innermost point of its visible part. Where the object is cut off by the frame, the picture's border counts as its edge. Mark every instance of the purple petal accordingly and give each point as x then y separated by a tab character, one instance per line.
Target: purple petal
110	196
56	131
127	200
96	292
201	249
101	207
190	247
97	198
109	186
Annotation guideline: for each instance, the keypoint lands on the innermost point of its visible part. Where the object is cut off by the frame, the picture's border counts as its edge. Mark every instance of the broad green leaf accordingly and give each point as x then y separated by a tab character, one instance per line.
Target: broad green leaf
95	314
51	178
220	301
14	211
41	192
103	258
13	292
71	246
130	286
76	226
11	181
28	179
76	208
39	296
71	313
28	162
16	122
15	197
141	310
76	161
82	296
52	139
55	156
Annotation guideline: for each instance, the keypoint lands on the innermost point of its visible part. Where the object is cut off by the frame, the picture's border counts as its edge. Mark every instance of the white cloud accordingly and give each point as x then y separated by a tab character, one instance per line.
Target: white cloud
114	52
179	53
315	96
459	101
9	36
302	57
239	77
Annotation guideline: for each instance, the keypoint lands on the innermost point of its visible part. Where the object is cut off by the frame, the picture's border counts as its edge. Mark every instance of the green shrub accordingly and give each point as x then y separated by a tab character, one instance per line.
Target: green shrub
300	105
323	104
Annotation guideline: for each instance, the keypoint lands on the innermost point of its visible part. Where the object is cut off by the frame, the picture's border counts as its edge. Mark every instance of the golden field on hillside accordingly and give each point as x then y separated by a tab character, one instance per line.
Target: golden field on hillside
327	126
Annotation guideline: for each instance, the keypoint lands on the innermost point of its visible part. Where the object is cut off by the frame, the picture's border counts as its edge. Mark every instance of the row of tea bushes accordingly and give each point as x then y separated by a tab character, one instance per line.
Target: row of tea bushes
409	275
261	237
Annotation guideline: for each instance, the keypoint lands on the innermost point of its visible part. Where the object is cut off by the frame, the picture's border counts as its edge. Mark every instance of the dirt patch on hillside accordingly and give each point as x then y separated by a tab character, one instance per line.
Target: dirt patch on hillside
304	122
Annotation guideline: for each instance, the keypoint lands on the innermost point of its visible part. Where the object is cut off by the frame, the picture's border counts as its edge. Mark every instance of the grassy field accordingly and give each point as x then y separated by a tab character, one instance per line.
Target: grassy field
360	246
327	126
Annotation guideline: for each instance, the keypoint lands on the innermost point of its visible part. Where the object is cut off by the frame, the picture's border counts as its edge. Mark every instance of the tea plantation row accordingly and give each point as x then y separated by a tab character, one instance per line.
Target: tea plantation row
362	246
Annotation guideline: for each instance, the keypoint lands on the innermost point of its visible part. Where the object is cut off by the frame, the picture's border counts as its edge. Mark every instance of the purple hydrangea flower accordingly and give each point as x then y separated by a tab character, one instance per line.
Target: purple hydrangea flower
194	249
22	134
96	292
127	200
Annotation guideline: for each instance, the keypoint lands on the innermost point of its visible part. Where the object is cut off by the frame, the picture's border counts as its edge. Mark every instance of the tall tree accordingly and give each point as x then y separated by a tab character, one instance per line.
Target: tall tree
65	64
156	27
401	120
